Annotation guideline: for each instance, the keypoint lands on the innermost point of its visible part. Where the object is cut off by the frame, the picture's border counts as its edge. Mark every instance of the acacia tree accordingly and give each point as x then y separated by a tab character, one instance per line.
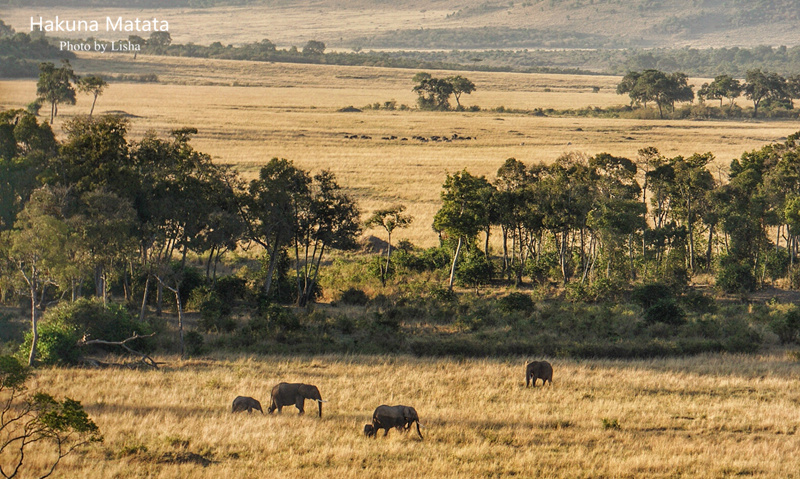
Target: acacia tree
762	85
93	85
434	93
389	219
460	86
463	211
723	86
55	85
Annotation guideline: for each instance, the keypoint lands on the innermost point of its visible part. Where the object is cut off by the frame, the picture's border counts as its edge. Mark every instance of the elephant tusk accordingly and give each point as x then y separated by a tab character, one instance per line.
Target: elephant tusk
421	425
320	400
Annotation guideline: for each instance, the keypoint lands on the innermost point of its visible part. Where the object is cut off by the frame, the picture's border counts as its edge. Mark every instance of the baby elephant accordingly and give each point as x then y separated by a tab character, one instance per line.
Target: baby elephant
244	403
538	370
387	417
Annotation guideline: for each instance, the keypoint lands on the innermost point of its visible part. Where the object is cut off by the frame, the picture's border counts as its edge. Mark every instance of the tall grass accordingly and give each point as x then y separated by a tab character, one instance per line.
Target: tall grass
706	416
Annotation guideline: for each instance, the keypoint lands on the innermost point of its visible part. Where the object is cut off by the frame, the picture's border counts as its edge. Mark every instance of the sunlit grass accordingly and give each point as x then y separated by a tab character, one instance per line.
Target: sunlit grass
707	416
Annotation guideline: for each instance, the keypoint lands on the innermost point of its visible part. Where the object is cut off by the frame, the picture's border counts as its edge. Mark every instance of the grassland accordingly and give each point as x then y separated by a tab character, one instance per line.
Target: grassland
291	111
702	417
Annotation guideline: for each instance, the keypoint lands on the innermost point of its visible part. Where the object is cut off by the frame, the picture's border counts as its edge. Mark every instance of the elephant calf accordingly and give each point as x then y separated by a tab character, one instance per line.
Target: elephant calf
538	370
387	417
244	403
286	394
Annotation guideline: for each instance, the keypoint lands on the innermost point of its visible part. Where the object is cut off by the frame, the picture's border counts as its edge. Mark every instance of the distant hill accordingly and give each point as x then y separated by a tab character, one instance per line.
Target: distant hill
493	24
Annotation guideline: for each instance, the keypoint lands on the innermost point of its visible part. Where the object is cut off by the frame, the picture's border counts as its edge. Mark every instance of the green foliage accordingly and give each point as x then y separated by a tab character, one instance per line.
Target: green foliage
609	423
647	295
475	269
12	373
214	311
354	296
194	343
735	277
787	327
666	311
57	344
516	301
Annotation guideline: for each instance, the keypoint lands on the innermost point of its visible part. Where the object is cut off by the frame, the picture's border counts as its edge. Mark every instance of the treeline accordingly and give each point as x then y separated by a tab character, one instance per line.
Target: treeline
20	53
99	209
767	90
605	222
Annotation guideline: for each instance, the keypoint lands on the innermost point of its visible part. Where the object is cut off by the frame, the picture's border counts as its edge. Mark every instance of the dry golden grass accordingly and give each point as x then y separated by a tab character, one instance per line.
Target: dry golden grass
702	417
290	111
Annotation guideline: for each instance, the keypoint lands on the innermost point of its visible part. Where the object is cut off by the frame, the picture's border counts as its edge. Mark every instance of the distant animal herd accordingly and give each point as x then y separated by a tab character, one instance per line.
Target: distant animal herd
385	417
423	139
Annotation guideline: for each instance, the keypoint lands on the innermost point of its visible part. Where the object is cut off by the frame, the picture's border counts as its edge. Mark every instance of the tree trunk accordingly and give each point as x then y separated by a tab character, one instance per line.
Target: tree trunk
34	321
93	102
180	318
144	298
453	266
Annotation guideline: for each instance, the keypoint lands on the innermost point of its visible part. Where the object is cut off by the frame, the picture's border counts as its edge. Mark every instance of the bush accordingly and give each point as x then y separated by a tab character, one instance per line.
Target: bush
666	311
58	344
194	343
354	296
787	327
647	295
733	277
61	328
214	312
516	302
475	269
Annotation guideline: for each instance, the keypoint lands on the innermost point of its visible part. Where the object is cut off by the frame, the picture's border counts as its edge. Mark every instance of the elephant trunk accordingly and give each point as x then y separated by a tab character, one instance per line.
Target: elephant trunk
418	431
319	403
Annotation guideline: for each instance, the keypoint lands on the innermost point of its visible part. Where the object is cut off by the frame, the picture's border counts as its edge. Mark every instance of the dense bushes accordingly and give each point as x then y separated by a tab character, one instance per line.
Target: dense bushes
63	326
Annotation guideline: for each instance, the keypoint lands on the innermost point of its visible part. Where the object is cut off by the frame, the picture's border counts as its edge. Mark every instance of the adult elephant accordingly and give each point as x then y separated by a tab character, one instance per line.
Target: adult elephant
538	370
387	417
286	394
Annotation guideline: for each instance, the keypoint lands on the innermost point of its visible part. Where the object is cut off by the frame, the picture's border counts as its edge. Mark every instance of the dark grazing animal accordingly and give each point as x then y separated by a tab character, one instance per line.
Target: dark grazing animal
286	394
538	370
244	403
387	417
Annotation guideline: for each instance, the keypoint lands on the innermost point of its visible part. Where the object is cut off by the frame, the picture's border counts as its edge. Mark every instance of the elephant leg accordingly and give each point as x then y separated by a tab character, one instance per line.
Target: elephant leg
299	403
527	380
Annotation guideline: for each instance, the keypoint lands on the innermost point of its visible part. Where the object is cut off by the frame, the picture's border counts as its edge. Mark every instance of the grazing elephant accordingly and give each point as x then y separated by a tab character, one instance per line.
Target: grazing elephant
286	394
244	403
387	417
538	370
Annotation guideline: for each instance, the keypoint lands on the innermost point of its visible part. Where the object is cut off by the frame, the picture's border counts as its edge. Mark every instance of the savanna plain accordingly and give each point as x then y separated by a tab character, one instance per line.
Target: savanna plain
704	416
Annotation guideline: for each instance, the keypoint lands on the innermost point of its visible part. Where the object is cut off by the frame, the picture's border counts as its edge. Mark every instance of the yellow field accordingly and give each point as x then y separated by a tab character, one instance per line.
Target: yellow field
290	111
703	417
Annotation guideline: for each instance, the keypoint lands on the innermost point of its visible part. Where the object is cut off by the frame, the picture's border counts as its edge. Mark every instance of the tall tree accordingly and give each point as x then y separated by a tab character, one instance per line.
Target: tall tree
273	208
463	211
55	85
762	85
93	85
36	248
329	218
722	87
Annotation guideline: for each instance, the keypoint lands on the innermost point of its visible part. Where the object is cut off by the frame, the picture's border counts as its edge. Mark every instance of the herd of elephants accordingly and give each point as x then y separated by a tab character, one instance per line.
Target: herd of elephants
385	417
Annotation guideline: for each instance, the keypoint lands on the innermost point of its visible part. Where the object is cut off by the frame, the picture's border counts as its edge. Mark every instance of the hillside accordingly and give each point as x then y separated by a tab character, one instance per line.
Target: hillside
451	24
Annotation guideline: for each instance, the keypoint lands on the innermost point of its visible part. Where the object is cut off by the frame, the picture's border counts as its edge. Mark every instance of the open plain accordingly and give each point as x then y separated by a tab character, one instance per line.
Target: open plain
250	112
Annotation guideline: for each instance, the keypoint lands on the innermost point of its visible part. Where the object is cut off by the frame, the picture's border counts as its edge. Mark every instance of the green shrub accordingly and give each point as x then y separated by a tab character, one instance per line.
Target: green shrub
787	327
58	344
516	302
214	311
733	277
475	269
194	343
647	295
354	296
666	311
231	288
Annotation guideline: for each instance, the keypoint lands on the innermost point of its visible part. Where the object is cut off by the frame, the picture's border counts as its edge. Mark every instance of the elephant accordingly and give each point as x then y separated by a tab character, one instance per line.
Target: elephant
286	394
538	370
387	417
244	403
